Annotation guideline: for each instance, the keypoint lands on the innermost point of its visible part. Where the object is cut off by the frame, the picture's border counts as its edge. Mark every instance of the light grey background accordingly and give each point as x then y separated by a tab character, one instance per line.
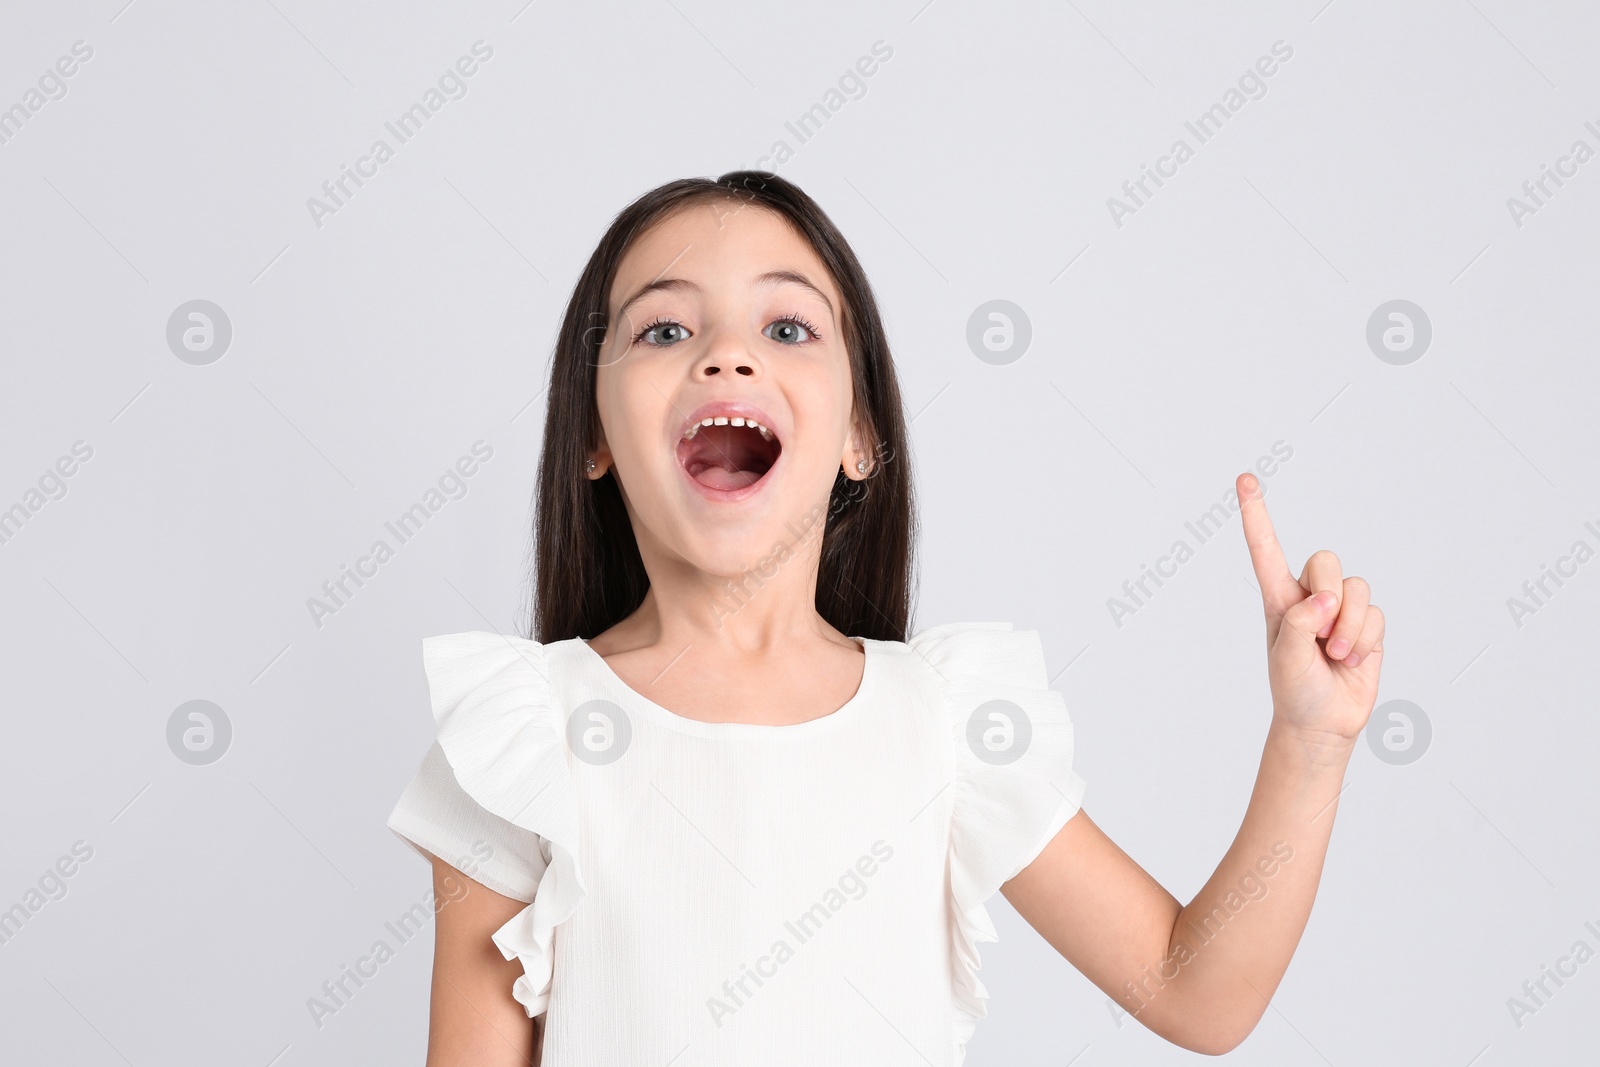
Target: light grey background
1228	313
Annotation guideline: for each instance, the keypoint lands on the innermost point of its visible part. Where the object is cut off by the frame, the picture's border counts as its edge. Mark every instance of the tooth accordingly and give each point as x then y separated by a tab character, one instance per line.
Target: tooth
721	420
736	421
707	422
691	431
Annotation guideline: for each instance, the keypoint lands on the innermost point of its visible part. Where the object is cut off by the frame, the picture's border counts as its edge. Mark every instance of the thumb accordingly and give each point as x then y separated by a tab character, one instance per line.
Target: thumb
1301	624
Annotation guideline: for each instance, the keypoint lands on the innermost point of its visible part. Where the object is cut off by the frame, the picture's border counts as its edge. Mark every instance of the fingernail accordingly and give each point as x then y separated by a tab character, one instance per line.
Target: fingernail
1338	648
1325	600
1353	660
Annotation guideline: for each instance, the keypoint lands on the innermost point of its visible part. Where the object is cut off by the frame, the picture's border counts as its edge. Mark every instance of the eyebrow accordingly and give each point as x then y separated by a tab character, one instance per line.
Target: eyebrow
780	277
771	277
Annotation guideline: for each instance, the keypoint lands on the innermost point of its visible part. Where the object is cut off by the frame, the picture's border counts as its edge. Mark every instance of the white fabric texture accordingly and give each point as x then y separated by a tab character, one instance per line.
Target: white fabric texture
726	893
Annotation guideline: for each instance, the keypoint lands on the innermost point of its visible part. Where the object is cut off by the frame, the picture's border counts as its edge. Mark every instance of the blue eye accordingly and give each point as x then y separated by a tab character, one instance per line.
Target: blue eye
664	325
789	328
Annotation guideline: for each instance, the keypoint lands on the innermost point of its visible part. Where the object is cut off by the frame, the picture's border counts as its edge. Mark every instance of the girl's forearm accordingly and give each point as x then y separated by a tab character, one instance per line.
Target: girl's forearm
1232	943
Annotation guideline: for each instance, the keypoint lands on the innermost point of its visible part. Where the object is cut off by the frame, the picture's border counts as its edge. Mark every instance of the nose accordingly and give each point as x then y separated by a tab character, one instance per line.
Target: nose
726	354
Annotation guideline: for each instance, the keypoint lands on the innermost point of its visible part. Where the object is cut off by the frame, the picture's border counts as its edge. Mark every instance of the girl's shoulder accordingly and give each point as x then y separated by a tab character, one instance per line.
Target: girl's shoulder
495	796
1012	733
499	729
968	652
971	663
994	686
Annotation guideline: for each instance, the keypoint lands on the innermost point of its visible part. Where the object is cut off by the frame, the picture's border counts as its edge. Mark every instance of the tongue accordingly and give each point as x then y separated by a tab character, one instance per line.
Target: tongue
721	478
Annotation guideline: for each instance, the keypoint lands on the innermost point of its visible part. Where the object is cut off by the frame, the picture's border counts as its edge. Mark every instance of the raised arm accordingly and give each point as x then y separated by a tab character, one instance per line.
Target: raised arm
1201	975
473	1019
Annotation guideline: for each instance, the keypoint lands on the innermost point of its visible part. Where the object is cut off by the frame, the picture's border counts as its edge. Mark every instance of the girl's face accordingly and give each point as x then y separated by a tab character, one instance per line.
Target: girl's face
722	311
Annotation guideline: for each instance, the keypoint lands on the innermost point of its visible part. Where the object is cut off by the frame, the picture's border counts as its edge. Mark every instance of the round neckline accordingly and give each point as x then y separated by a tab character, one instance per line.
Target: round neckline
703	728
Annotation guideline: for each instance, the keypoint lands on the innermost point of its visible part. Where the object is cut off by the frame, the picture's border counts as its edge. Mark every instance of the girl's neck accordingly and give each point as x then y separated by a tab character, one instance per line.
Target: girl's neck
765	608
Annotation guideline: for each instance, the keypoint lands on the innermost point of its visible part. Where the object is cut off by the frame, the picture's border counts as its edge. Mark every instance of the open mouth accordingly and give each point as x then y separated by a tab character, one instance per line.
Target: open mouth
726	453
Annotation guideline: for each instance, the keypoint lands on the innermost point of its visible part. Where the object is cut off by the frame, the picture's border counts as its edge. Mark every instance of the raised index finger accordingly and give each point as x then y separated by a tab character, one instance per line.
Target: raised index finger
1278	585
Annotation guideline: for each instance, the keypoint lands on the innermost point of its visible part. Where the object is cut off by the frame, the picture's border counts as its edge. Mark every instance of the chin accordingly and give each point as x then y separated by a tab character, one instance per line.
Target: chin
757	549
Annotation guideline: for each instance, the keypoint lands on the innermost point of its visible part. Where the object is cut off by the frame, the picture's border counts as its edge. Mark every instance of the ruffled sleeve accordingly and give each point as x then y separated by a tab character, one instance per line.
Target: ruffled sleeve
436	817
1015	784
501	741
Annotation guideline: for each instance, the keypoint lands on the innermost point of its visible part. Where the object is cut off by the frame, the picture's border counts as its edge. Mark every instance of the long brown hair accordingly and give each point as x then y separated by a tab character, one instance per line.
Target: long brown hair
589	575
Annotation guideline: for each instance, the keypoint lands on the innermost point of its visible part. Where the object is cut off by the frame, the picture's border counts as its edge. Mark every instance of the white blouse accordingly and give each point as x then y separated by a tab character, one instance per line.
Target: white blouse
727	893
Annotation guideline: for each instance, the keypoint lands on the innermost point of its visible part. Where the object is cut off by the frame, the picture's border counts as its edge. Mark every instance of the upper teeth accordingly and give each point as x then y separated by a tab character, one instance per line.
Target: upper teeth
724	420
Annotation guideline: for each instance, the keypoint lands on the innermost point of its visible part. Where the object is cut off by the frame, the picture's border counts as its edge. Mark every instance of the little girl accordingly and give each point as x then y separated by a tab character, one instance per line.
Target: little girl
722	809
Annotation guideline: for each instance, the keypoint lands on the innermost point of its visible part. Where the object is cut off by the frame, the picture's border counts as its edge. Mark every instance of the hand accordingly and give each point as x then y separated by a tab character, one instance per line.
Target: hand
1324	636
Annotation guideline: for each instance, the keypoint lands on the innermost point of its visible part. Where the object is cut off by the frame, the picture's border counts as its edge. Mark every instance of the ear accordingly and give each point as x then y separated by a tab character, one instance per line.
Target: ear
855	454
601	457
